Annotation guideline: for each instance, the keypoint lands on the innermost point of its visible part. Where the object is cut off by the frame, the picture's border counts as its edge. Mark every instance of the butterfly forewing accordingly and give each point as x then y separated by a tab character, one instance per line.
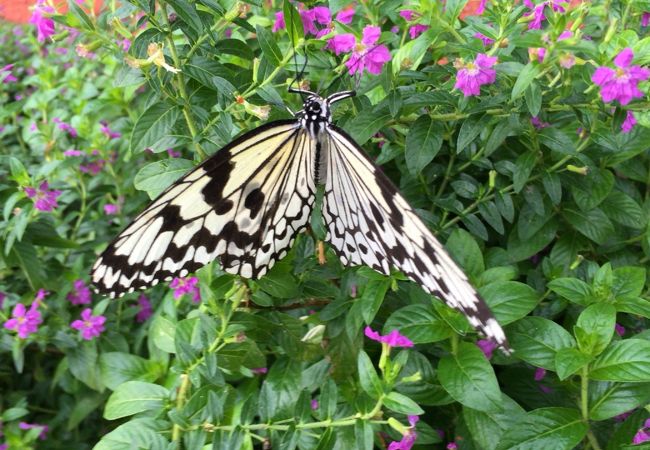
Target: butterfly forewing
370	223
244	205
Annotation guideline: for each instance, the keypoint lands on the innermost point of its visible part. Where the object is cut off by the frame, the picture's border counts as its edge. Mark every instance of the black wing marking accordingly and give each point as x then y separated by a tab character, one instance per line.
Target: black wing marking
244	205
370	223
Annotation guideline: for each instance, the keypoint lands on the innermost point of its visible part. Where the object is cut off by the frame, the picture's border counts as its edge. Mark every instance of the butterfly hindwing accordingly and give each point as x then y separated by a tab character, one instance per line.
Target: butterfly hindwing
370	223
244	205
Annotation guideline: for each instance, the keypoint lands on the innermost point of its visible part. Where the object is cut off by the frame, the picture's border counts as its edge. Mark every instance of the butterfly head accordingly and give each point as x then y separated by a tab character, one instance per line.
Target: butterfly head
316	112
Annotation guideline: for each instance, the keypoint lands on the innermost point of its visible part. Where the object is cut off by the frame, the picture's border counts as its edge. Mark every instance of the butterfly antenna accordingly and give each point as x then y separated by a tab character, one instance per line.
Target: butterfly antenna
300	73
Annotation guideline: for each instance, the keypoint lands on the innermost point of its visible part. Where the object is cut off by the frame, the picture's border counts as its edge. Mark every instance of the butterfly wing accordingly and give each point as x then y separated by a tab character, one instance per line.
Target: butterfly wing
370	223
244	205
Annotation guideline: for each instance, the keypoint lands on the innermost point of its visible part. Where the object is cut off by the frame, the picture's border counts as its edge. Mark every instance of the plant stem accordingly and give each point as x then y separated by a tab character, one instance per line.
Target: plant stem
180	401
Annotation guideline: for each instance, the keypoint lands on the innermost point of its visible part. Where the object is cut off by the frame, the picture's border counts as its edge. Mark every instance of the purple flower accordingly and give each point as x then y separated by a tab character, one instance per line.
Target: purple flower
40	296
145	310
536	54
537	11
4	446
392	339
44	199
473	75
567	60
645	19
44	25
408	14
408	438
73	152
481	7
260	370
111	209
626	127
80	295
452	446
538	123
110	134
620	84
539	374
643	435
6	75
93	167
173	153
487	347
66	127
486	40
24	321
124	44
417	29
278	24
28	426
3	296
182	286
365	54
314	404
341	43
345	15
89	325
620	329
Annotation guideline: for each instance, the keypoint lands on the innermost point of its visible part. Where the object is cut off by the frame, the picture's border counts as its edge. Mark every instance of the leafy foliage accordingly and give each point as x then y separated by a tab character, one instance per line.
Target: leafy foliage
539	188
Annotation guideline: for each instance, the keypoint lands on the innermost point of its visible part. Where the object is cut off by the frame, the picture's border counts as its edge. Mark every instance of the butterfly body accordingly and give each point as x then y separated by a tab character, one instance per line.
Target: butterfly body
245	205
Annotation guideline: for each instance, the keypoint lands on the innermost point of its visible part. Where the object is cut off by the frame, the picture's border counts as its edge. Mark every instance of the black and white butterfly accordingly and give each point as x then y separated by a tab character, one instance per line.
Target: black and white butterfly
246	204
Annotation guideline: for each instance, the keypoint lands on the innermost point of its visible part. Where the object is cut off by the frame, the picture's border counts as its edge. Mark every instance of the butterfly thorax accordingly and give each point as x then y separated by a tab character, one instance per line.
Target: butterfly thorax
315	115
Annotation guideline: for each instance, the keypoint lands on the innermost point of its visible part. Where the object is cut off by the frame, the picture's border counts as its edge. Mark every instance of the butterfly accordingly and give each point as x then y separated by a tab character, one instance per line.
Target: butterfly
246	204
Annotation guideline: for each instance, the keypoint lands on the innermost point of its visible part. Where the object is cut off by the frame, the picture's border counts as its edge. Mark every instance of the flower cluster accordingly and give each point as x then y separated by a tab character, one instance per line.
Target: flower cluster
5	74
44	24
44	198
80	295
472	75
190	286
24	321
145	309
537	11
621	83
365	55
408	438
415	29
643	435
66	127
89	325
316	21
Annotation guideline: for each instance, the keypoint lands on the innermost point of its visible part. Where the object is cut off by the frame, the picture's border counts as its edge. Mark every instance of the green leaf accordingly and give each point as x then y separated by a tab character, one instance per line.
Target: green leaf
469	130
521	249
524	167
569	360
537	340
594	224
488	427
137	433
525	78
83	364
553	187
597	321
623	209
573	290
402	404
533	97
509	300
590	190
152	129
490	213
608	399
628	281
419	323
466	252
135	397
157	176
24	255
423	142
634	305
293	22
370	382
366	124
363	435
469	378
546	428
162	333
269	47
81	15
83	407
186	11
625	361
117	368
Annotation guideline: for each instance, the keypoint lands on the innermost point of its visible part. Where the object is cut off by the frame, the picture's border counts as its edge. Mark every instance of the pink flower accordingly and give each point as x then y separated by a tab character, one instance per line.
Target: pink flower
173	153
566	34
643	435
44	199
345	15
73	152
314	404
28	426
487	347
539	374
260	370
486	40
567	60
341	43
645	19
40	296
417	30
452	446
89	325
93	167
145	310
537	54
626	127
537	11
392	339
107	131
3	296
408	14
111	209
80	295
182	286
66	127
408	439
124	44
481	7
278	24
44	25
5	74
620	329
365	54
24	321
473	75
538	123
620	84
320	15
